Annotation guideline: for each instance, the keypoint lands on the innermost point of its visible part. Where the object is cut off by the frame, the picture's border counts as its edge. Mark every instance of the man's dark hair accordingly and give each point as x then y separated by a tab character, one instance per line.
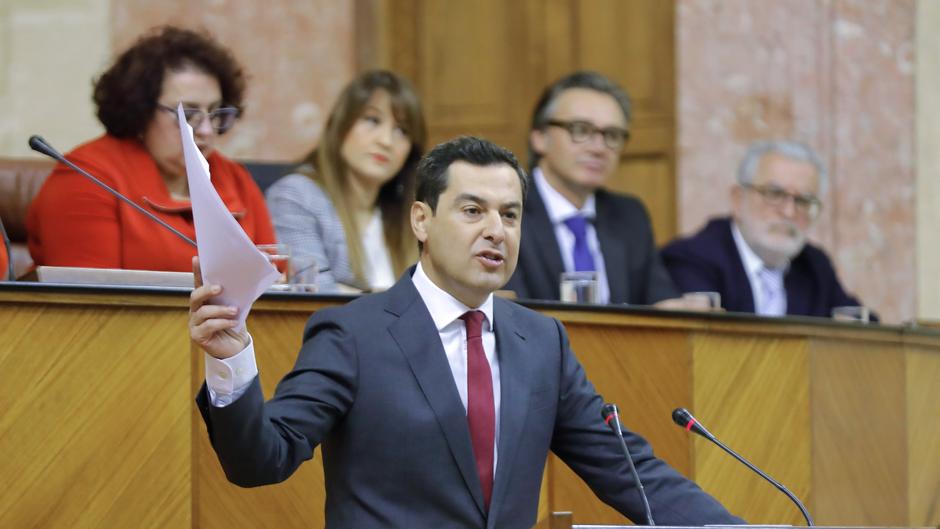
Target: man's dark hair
126	94
589	80
432	173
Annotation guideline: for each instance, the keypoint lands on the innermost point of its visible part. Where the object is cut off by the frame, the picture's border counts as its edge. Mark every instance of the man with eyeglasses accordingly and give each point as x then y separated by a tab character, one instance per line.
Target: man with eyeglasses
759	259
579	128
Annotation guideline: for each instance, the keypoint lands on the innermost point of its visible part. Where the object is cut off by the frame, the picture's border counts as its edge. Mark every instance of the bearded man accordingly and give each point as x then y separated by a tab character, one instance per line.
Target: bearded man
759	259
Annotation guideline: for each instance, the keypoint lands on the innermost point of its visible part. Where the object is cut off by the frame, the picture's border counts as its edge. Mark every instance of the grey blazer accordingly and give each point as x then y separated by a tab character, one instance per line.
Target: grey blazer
373	387
304	218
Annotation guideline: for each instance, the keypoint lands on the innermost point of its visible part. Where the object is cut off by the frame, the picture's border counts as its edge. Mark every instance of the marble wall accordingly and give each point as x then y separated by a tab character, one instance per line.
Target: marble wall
836	74
928	160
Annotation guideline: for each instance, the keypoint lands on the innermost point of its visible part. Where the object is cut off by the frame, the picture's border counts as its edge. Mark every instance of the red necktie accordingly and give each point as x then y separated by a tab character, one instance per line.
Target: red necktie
481	412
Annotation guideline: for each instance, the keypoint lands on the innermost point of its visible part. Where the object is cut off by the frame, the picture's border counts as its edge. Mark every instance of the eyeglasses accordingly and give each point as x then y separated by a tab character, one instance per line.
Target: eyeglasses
807	205
221	118
582	131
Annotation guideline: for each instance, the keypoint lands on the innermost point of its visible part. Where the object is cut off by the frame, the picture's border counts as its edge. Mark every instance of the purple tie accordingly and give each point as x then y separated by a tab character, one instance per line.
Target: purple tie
481	411
583	260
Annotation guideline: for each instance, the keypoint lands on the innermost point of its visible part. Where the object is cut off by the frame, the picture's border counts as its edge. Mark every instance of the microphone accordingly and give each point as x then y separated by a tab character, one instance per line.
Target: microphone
612	419
39	145
683	418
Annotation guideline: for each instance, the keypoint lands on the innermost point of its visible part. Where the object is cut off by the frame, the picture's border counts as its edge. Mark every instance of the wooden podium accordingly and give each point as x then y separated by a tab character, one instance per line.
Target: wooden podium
563	520
98	427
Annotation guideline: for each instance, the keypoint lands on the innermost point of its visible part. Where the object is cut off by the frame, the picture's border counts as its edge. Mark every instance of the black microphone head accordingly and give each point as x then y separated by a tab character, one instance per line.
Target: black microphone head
38	144
683	418
608	410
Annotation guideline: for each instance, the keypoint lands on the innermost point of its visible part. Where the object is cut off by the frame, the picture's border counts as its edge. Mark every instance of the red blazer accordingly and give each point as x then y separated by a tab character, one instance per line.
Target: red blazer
73	222
4	259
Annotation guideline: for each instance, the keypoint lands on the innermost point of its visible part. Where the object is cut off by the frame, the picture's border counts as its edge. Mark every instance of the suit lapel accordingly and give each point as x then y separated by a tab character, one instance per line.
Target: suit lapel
417	337
514	397
610	235
541	241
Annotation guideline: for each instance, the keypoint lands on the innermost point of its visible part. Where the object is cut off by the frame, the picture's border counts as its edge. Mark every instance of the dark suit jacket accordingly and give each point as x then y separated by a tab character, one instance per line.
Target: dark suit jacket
372	385
634	271
709	261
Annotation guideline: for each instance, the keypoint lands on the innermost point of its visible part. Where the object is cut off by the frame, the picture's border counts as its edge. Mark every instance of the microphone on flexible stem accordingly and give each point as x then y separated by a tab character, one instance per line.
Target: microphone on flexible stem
39	145
612	419
683	418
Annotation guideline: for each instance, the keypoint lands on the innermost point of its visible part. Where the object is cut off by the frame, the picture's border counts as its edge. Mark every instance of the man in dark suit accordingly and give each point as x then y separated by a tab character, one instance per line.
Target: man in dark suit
435	403
579	127
759	260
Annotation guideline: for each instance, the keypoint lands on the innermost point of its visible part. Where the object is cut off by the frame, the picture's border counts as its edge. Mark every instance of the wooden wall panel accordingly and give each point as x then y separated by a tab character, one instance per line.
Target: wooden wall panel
632	42
859	472
470	65
481	66
752	393
650	178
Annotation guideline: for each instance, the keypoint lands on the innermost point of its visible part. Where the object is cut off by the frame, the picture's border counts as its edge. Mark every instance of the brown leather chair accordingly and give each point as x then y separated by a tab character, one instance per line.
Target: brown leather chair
20	180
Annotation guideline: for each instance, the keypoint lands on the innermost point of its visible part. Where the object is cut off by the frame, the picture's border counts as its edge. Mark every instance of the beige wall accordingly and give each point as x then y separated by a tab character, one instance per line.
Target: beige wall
838	75
299	55
49	51
928	160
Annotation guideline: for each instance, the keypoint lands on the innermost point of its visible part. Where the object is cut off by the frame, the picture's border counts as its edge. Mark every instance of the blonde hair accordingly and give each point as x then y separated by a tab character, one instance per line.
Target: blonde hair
325	165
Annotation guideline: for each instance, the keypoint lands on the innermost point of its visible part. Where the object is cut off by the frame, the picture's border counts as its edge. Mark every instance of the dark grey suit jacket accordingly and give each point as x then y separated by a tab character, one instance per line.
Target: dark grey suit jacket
372	385
634	270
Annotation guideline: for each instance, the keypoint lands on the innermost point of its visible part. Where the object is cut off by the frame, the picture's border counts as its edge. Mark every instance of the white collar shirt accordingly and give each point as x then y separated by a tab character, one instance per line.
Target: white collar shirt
560	209
446	311
753	265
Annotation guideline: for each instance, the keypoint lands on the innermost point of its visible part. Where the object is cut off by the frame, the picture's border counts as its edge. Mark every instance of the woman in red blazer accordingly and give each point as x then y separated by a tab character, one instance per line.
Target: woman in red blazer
73	222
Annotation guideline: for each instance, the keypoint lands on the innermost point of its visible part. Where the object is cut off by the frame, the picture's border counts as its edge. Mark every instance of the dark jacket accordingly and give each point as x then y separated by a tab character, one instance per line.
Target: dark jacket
709	261
635	273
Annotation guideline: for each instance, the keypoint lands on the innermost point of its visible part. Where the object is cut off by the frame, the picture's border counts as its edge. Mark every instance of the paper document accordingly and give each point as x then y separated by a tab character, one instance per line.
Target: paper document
226	254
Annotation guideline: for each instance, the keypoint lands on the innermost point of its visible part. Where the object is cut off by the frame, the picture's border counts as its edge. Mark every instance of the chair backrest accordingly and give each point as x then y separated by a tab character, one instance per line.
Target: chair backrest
266	173
20	180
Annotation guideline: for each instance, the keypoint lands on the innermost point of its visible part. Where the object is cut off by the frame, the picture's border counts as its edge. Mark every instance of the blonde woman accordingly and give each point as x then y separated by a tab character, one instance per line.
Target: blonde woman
348	204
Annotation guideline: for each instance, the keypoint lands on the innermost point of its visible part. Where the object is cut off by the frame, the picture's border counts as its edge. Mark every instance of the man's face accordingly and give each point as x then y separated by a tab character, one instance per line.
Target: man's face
577	169
471	243
775	225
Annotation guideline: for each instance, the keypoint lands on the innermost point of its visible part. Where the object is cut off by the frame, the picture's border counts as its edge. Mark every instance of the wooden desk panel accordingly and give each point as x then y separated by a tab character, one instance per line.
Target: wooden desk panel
923	434
859	433
752	392
99	427
96	414
646	373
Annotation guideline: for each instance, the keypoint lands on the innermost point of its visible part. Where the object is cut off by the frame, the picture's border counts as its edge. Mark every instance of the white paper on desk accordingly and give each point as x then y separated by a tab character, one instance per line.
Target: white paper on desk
226	254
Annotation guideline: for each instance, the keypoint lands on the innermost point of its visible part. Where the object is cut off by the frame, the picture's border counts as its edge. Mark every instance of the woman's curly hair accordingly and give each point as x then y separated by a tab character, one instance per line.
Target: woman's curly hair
126	94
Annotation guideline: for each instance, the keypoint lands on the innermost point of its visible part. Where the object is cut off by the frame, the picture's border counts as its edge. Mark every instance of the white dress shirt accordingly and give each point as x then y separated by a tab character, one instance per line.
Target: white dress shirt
377	267
559	209
753	265
228	379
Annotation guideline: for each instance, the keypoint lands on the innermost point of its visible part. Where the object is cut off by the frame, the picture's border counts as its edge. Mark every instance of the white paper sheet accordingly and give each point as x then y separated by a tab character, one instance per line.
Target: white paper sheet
226	254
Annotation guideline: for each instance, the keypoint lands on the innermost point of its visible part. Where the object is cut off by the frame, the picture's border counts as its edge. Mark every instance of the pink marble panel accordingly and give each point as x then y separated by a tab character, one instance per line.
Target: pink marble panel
298	55
837	75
